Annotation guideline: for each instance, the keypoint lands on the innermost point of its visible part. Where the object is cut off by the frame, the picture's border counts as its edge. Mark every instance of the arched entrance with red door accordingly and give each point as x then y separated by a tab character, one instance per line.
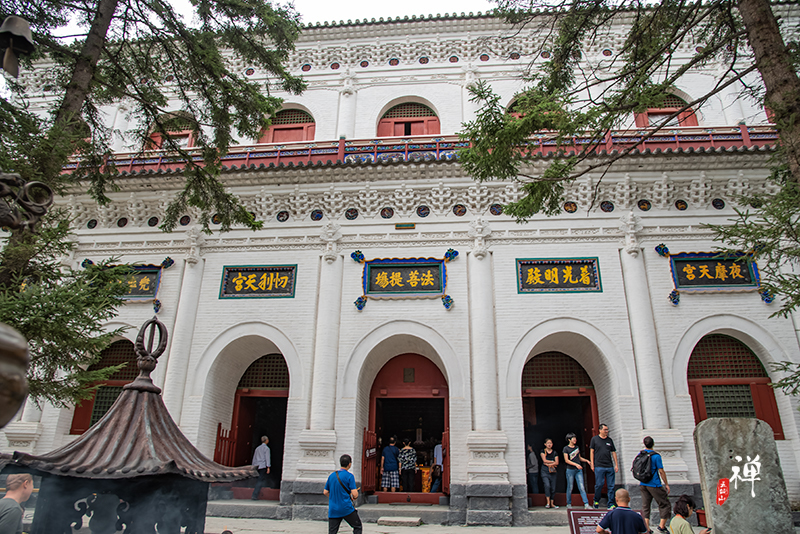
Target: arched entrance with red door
259	410
558	397
408	399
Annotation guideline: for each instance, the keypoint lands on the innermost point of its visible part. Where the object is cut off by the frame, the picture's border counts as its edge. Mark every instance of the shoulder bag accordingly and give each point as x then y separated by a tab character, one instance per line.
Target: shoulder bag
347	491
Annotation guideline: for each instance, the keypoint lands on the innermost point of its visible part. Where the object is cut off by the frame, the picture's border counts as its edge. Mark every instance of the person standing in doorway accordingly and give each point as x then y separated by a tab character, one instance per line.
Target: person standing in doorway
408	465
656	488
604	463
574	462
549	471
18	490
390	466
533	471
437	470
262	462
342	493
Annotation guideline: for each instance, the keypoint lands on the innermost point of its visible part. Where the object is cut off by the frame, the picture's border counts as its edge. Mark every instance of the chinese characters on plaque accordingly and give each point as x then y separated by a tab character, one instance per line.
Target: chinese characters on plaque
389	279
143	282
262	281
562	275
698	271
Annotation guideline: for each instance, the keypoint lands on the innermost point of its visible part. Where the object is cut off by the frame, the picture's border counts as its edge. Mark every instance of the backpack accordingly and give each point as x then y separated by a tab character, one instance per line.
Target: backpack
642	466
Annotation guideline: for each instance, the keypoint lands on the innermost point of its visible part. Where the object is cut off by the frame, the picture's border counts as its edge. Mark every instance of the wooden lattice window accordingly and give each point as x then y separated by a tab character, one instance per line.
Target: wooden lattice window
726	379
267	372
554	370
92	410
411	118
289	125
669	105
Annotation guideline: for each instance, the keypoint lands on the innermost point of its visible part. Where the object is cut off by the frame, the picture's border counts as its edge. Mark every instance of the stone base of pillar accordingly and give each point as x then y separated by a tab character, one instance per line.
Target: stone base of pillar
22	436
669	443
488	492
316	461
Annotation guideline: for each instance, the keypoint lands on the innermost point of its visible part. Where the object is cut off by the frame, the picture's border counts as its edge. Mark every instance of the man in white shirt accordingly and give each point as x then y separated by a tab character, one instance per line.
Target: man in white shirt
438	459
261	460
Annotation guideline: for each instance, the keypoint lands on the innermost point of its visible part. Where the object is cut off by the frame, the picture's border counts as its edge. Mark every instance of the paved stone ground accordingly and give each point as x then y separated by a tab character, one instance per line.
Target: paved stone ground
215	525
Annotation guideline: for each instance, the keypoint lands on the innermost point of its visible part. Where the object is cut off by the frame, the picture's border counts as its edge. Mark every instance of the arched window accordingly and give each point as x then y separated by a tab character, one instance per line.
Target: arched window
669	105
180	131
289	125
726	379
410	118
554	370
267	372
92	410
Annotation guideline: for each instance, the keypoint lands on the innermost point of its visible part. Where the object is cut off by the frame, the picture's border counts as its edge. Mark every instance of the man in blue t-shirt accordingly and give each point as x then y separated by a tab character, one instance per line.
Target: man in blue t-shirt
390	466
341	490
654	489
622	520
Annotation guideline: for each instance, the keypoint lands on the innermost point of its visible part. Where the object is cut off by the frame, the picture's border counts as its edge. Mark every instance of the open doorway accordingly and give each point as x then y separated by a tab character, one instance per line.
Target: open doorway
408	400
558	398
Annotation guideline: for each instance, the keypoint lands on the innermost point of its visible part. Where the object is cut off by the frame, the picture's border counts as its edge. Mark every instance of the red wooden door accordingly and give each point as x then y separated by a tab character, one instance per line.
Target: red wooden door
244	413
369	464
446	462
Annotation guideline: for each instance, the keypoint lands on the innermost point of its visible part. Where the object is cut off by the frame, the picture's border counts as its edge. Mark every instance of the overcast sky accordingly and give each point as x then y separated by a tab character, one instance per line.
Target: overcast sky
326	10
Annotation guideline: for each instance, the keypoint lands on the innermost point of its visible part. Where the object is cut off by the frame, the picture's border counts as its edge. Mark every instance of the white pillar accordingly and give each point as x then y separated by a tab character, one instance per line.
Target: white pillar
177	364
318	441
486	443
24	432
346	123
469	109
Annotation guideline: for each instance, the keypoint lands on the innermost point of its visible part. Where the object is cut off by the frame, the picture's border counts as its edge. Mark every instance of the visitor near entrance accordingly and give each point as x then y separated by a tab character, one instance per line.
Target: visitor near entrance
18	490
604	463
683	509
437	468
408	465
574	462
656	488
390	466
549	472
533	471
342	492
262	462
622	520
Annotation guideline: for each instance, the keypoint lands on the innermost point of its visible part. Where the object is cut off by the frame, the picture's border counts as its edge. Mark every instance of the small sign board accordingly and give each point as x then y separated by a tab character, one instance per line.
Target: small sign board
706	271
258	281
558	275
404	278
143	282
586	521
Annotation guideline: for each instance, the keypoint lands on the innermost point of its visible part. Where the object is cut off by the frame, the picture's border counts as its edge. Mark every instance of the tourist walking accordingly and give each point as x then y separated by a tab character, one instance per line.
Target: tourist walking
603	461
262	462
574	462
549	472
342	492
18	490
656	488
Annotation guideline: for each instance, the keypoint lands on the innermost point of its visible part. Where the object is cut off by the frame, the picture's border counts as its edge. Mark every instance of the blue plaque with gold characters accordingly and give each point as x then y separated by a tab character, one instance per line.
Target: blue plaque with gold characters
143	282
561	275
258	281
707	271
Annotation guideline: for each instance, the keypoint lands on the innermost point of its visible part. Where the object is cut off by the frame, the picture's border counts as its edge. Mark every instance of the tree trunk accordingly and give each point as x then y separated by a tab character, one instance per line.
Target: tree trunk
780	80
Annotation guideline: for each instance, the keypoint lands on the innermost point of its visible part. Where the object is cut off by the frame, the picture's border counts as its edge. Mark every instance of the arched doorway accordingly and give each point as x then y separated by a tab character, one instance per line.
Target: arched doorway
410	118
259	410
726	379
558	397
409	398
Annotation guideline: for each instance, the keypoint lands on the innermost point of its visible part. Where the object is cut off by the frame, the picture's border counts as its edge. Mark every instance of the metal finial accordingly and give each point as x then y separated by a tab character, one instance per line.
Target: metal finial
145	355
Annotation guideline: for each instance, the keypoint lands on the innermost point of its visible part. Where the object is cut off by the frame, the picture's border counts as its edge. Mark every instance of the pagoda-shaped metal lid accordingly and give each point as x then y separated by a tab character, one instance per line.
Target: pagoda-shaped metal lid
137	436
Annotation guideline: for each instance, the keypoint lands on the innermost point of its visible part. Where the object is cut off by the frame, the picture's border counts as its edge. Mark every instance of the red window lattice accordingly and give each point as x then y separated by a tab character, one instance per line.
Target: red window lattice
409	109
720	356
554	370
672	101
121	351
267	372
292	116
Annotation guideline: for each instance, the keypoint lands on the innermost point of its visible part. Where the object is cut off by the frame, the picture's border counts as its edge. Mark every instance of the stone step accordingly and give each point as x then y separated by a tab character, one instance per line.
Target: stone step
399	521
430	514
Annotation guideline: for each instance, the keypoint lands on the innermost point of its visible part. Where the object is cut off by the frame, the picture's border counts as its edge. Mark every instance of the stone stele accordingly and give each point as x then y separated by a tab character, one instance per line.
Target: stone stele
740	454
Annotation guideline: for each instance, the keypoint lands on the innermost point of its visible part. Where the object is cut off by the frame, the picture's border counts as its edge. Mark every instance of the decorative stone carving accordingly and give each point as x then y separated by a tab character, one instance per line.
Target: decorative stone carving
630	225
479	231
669	443
487	462
316	461
663	190
331	234
348	83
22	436
194	241
625	192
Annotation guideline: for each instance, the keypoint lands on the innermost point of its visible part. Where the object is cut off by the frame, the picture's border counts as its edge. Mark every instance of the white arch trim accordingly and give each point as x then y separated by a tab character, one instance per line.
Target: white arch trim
130	333
759	340
250	329
532	343
404	100
348	380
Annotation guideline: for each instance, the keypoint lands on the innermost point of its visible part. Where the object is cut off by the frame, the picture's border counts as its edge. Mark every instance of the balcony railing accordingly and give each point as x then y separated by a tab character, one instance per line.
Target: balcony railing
437	148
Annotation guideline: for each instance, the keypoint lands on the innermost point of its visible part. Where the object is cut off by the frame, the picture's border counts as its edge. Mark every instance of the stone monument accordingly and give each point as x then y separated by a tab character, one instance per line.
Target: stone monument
741	477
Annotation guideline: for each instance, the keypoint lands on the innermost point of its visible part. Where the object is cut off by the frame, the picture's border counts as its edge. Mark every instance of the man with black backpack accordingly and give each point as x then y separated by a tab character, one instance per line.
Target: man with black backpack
648	469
